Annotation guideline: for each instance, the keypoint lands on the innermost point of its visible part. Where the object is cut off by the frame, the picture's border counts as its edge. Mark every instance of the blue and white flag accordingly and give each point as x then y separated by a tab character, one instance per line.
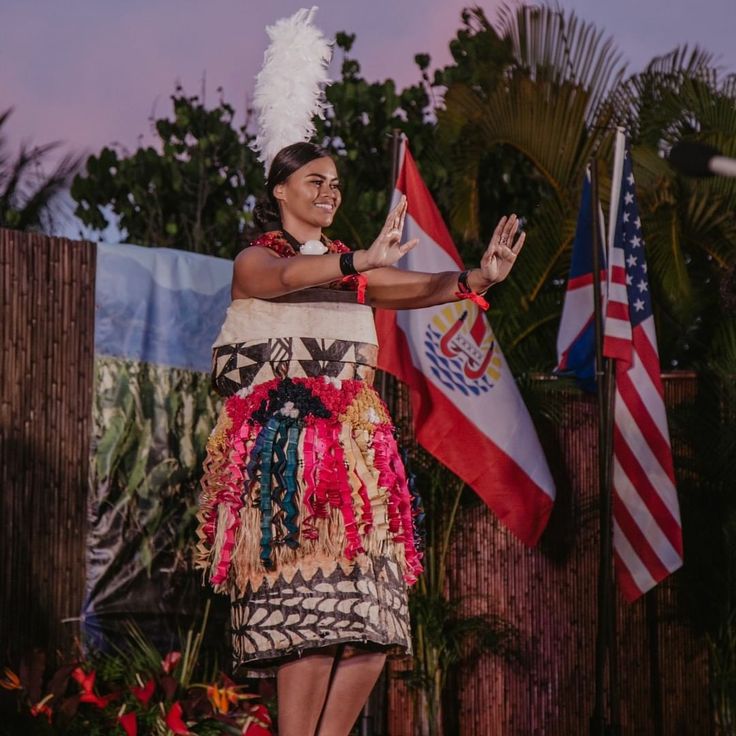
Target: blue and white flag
576	337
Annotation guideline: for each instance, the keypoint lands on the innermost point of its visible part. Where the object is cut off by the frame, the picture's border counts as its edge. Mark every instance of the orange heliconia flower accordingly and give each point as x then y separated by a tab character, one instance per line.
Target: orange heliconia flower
10	681
223	697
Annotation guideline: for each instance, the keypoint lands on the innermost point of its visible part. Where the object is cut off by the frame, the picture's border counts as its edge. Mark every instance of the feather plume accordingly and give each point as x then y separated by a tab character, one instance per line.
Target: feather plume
290	86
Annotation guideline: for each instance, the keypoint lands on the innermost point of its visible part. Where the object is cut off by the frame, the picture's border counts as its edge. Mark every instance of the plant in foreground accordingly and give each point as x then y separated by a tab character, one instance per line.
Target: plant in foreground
132	692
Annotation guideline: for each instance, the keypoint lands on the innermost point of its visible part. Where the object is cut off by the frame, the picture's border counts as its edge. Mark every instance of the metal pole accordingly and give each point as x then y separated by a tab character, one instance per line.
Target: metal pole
387	384
599	722
373	716
395	153
614	696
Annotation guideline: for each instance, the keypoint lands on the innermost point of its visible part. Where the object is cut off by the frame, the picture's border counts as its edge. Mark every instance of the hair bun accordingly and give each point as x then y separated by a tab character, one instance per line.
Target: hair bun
266	216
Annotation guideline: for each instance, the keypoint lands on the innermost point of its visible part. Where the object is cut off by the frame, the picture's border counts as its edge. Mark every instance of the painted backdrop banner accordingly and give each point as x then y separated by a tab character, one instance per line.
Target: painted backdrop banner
157	312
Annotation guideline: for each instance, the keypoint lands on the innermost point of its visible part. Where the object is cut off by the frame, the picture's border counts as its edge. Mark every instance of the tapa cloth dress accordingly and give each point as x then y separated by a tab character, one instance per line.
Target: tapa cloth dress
306	519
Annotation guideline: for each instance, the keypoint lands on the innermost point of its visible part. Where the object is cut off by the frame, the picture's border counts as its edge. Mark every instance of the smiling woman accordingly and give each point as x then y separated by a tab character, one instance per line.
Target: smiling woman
306	518
306	515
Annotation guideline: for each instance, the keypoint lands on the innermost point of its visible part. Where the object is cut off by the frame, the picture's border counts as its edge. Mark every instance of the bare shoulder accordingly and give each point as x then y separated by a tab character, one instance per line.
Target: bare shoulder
253	257
249	267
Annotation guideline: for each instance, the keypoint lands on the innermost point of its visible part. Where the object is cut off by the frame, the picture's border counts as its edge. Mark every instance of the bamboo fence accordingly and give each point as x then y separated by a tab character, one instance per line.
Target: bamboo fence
47	337
549	594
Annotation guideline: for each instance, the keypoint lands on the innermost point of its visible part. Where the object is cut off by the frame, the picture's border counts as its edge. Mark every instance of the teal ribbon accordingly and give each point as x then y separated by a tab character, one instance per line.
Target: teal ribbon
288	503
266	446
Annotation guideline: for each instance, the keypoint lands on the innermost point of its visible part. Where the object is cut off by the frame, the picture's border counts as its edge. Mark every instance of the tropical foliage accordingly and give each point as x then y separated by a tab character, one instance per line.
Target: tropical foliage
359	125
707	428
557	102
136	690
150	430
188	191
29	198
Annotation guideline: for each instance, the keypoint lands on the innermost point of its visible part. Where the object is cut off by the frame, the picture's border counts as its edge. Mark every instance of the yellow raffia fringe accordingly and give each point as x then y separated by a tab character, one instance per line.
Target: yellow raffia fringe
327	550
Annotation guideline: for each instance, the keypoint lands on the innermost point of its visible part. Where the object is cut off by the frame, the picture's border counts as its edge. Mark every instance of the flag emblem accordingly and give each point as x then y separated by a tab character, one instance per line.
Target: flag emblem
450	359
459	344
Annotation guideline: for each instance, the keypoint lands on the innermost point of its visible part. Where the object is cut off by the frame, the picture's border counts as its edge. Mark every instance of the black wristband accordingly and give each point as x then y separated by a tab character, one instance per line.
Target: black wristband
346	265
462	284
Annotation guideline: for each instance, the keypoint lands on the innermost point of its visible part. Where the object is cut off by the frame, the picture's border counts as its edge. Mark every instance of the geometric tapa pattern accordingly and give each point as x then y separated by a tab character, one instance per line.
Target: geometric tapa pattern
240	365
359	604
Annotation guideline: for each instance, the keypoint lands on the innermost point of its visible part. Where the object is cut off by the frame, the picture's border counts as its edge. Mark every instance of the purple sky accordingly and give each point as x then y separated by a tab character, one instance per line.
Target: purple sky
90	72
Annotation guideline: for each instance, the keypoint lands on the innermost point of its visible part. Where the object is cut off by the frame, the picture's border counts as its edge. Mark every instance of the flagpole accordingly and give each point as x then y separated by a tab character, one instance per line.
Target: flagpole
395	154
605	635
610	392
386	385
373	715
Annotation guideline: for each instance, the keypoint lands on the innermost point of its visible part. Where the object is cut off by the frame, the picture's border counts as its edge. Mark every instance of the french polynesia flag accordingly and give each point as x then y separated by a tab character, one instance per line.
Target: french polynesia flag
467	410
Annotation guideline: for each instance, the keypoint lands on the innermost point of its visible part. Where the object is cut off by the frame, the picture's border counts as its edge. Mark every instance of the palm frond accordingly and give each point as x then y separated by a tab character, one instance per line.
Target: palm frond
559	48
648	103
551	106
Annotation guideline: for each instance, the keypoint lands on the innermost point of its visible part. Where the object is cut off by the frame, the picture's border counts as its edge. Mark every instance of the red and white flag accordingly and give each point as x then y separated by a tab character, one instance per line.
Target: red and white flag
647	535
467	410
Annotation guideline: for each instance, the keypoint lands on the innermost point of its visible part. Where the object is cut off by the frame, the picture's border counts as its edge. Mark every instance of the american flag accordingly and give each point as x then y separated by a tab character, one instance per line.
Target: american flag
647	534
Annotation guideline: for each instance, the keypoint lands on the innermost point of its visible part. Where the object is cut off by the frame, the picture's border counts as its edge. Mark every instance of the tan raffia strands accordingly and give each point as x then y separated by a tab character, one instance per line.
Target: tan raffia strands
552	601
246	565
46	366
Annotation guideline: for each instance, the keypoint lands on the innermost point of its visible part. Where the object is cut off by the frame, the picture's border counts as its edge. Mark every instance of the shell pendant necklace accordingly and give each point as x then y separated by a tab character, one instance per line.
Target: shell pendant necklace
309	248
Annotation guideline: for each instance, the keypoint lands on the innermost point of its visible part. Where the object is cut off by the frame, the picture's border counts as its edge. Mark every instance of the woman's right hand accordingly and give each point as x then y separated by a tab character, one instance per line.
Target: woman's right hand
387	248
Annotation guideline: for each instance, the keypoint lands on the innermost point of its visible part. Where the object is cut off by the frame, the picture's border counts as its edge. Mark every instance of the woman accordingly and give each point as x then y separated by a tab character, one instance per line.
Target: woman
305	516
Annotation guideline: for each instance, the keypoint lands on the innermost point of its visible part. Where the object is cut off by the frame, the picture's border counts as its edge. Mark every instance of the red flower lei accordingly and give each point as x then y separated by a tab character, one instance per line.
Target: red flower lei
275	240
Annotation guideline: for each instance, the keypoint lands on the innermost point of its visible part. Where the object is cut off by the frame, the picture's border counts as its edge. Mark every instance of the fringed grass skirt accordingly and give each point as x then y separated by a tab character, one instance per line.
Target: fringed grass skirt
306	519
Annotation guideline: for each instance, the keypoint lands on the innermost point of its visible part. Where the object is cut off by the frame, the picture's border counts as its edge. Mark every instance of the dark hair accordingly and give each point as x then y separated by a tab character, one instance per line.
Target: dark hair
266	212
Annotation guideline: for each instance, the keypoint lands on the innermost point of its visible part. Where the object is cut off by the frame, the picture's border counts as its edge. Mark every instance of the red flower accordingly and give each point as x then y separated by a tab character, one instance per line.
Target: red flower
42	707
101	701
86	680
175	722
144	693
129	723
257	729
170	661
260	726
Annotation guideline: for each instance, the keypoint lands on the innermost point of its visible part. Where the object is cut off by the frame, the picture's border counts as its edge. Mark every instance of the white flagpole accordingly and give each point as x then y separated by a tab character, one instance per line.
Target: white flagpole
618	167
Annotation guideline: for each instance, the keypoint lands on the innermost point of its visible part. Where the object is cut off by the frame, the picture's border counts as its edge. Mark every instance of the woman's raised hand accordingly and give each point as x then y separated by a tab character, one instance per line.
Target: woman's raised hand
387	248
501	253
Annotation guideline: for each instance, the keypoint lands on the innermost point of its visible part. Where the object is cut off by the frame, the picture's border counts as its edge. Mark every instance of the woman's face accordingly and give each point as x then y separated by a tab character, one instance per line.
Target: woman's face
311	194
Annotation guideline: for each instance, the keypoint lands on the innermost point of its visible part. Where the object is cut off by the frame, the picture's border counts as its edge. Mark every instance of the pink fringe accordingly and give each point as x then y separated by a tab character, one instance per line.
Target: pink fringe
326	484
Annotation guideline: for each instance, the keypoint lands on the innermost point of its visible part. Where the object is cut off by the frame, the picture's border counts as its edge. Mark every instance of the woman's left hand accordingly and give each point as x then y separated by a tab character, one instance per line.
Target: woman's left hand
505	245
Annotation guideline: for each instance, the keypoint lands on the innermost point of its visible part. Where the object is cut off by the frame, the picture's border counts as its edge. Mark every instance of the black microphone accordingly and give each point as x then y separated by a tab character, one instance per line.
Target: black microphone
700	159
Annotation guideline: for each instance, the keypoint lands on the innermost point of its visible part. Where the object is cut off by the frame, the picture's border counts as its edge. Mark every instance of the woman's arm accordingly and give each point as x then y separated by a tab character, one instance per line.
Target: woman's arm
392	288
261	273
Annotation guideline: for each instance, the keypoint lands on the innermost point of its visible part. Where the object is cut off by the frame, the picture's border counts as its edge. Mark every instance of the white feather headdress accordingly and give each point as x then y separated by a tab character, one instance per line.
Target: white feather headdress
290	86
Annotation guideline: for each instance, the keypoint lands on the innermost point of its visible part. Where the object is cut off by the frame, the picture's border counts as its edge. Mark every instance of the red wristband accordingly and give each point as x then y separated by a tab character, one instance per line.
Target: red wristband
465	292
